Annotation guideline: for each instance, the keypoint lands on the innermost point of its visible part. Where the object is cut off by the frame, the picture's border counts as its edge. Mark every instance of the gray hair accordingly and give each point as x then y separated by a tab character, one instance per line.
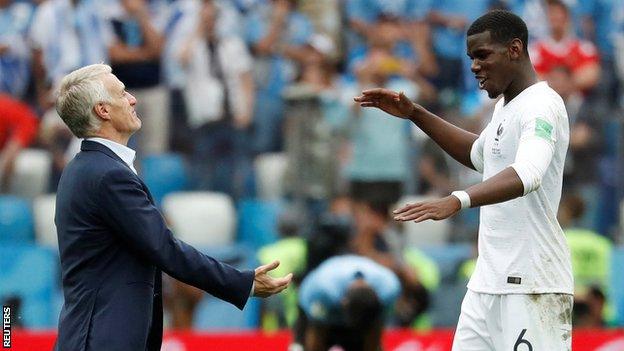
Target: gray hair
79	92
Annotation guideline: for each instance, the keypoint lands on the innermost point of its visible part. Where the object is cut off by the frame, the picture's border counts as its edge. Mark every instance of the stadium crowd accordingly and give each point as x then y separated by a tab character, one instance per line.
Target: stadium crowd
253	100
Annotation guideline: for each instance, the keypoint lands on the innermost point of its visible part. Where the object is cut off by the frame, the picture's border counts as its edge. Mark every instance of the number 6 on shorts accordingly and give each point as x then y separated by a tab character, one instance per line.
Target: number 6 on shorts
521	341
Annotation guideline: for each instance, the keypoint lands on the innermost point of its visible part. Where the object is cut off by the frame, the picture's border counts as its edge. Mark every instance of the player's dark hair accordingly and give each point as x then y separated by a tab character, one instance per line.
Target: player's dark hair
504	26
330	237
363	308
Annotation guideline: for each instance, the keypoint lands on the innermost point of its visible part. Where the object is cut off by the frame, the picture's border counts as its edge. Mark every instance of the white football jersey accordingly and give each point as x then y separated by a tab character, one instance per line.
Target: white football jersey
522	248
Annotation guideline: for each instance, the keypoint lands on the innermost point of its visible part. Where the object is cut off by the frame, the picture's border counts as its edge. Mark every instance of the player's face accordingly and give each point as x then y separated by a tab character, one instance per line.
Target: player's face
122	112
490	63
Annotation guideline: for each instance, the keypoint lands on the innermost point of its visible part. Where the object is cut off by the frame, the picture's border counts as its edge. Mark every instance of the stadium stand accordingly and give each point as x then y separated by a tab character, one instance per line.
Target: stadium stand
164	174
257	222
30	273
201	218
16	220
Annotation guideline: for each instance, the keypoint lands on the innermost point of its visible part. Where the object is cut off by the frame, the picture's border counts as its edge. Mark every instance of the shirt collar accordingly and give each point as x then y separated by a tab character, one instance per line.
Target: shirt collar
125	153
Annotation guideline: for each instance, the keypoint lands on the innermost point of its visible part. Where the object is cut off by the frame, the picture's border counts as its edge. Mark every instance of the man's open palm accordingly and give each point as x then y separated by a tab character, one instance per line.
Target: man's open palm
396	104
265	285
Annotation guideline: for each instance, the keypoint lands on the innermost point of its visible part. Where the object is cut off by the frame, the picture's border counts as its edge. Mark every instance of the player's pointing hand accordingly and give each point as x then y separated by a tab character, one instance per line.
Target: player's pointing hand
396	104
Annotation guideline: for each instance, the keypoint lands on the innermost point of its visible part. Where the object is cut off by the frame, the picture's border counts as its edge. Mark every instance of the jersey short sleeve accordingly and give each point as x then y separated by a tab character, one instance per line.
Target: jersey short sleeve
540	121
476	153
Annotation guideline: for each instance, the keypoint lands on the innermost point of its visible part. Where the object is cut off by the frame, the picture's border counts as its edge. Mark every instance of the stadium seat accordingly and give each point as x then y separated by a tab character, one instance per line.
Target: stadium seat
201	218
45	229
270	169
616	292
229	317
16	220
257	222
164	174
425	233
30	273
31	173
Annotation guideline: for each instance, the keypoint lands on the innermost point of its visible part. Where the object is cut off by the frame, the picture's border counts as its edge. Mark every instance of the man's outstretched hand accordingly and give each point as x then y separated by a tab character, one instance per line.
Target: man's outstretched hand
396	104
265	285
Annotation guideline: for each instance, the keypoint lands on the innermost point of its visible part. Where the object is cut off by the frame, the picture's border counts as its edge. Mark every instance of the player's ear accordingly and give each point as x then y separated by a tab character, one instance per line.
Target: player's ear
515	49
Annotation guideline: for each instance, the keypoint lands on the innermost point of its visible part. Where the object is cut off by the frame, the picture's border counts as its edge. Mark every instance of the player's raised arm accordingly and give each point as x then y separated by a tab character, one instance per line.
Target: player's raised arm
453	140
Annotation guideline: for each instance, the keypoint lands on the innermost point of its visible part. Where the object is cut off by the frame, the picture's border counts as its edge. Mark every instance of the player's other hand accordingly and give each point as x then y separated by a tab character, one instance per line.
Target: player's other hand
434	209
265	285
396	104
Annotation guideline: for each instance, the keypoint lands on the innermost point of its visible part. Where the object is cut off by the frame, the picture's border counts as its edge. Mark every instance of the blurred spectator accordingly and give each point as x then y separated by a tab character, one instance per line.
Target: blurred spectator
14	52
326	16
345	301
598	20
595	19
277	33
434	171
65	35
362	14
311	105
590	251
588	311
379	146
219	95
449	20
291	250
182	22
585	147
135	51
18	128
562	48
318	71
376	238
332	236
404	22
533	12
591	264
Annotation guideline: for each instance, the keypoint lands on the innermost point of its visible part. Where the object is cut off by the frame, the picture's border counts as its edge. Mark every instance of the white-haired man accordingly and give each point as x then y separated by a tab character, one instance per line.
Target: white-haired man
113	242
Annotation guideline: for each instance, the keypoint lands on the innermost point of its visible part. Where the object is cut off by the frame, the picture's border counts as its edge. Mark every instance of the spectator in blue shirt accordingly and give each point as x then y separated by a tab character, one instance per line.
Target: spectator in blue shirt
449	19
344	300
277	33
403	19
598	24
135	53
65	35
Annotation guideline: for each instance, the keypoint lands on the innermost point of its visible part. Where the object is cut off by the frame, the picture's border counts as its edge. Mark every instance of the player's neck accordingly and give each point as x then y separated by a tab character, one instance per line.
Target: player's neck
525	78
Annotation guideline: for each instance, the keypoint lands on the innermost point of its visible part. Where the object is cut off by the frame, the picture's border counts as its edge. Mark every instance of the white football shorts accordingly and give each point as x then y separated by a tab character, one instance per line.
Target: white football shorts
514	322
